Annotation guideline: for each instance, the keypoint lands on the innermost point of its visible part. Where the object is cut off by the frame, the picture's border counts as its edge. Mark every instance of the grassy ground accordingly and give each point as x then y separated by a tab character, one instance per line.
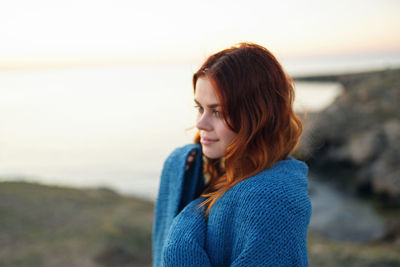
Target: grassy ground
59	226
328	253
54	226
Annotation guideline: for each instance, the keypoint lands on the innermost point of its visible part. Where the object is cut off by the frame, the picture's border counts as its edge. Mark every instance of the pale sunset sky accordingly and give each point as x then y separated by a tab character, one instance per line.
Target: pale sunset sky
50	32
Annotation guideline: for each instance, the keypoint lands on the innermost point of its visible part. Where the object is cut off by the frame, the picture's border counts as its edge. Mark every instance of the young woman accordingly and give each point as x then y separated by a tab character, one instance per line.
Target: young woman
236	197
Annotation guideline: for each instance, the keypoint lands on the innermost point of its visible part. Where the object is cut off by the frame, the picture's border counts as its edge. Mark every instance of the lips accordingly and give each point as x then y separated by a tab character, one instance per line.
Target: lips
207	141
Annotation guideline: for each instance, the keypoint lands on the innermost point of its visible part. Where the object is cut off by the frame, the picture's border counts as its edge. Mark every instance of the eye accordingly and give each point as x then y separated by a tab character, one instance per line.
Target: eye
216	113
199	109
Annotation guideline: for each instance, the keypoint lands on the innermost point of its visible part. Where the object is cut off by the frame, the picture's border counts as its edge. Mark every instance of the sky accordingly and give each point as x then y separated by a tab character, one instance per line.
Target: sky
40	32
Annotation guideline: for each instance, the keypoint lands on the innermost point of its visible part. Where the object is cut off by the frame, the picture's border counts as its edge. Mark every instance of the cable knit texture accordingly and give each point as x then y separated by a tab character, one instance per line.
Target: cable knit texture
261	221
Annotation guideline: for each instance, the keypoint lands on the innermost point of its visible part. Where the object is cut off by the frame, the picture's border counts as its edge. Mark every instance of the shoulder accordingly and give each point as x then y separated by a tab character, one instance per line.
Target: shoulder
185	148
285	175
281	189
182	151
177	158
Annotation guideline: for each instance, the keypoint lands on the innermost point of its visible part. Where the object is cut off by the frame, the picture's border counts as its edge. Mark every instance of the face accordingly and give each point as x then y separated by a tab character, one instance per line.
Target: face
215	135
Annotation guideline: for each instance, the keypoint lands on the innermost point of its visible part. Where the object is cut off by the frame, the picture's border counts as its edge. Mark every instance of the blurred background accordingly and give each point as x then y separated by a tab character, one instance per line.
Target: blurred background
94	95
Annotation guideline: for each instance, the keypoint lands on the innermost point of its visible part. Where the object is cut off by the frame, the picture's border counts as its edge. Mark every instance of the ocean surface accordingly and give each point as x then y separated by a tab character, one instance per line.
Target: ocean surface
105	126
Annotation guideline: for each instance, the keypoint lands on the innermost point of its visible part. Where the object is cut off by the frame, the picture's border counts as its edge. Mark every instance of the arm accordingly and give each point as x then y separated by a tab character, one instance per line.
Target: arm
186	239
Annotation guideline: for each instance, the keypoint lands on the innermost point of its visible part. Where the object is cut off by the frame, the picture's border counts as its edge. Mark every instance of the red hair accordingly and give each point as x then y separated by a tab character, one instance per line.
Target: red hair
256	98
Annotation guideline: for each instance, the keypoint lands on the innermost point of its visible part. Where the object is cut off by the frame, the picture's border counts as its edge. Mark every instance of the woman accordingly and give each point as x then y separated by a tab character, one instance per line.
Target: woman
236	197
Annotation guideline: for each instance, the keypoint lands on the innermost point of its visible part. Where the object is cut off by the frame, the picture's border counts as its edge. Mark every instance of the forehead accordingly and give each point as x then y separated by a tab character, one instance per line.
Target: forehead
205	91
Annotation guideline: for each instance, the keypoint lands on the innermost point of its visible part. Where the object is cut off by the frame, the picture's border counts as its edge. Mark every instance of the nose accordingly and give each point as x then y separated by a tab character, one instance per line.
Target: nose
203	122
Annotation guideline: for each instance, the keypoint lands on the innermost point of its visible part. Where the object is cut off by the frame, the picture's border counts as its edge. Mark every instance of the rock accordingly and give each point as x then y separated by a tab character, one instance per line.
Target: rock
392	132
363	147
385	178
359	133
392	232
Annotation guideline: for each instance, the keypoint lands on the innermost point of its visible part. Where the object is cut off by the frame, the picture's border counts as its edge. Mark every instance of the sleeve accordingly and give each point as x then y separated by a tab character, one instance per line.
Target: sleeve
272	231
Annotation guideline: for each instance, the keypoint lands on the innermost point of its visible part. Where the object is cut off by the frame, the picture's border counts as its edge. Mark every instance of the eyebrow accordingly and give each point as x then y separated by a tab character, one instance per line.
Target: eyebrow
209	106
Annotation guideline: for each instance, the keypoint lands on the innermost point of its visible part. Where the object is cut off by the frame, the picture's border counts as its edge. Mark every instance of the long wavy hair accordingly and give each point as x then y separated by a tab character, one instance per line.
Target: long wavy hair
256	98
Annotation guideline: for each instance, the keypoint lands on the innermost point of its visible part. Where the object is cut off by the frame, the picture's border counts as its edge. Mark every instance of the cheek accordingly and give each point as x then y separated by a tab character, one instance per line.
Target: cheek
231	135
226	134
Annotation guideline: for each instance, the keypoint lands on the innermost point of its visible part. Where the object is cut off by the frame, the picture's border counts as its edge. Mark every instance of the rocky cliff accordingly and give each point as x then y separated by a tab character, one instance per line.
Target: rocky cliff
358	136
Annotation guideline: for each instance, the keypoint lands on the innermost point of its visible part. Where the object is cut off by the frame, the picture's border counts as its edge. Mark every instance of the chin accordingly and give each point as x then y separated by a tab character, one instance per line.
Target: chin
212	153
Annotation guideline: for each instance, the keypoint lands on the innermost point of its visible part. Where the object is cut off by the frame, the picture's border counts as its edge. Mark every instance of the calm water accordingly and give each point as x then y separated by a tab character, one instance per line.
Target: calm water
104	126
342	215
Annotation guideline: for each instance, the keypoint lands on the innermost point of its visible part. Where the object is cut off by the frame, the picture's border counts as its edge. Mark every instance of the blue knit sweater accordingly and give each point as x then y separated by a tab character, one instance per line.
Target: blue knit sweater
261	221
